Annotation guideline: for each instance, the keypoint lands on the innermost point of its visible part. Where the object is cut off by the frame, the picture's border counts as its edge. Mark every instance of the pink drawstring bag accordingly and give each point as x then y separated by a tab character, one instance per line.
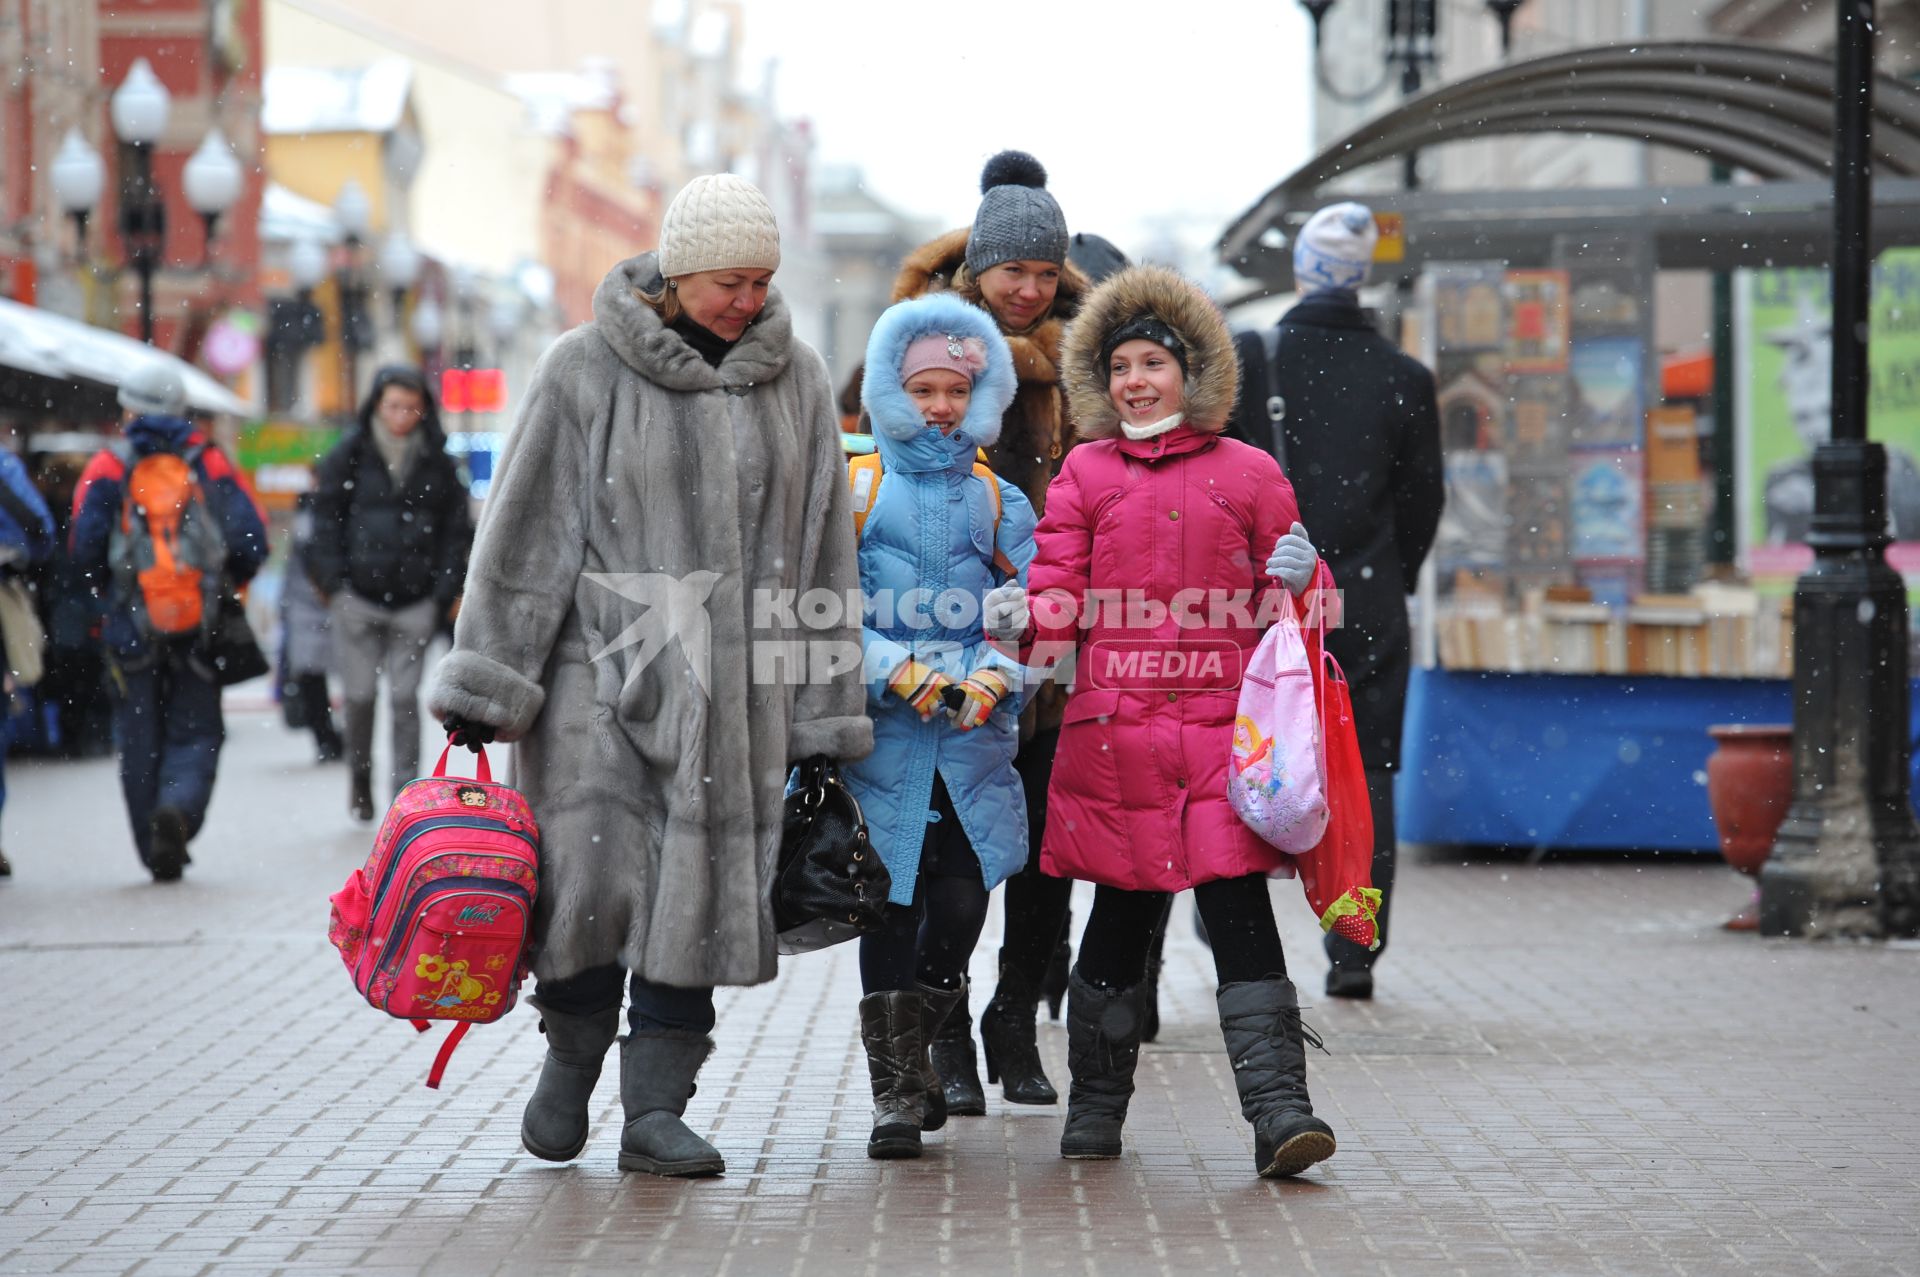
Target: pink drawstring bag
1276	779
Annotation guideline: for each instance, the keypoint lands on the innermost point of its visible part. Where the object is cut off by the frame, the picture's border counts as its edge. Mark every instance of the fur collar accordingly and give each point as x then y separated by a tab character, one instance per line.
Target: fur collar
1213	376
892	413
635	332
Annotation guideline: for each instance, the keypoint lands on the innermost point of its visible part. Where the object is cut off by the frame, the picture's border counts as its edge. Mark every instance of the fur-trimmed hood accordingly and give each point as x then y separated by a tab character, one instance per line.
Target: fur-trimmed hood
896	421
645	344
1213	375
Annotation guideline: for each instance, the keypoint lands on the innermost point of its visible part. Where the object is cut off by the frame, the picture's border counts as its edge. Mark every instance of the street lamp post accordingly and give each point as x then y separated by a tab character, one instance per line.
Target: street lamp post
1847	858
211	180
139	110
79	178
355	212
399	267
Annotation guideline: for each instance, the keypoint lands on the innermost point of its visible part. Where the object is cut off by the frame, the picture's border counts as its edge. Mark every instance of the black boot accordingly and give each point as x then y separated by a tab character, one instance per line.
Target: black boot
360	758
896	1060
1054	983
948	1032
1012	1048
1260	1020
956	1065
167	840
360	798
1103	1046
554	1126
657	1069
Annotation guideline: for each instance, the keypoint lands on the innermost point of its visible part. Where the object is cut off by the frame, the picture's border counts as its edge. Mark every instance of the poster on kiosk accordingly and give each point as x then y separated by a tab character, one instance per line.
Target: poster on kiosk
1784	399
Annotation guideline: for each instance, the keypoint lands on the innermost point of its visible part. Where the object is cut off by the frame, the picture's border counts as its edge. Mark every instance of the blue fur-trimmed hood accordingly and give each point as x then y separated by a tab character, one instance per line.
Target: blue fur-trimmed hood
897	424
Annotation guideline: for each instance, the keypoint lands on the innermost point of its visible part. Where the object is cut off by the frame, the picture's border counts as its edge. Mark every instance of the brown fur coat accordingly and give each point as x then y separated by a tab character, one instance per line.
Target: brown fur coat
1036	430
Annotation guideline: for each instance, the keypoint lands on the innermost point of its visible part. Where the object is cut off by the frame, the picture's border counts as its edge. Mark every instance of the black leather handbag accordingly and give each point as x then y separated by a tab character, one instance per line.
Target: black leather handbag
830	885
232	650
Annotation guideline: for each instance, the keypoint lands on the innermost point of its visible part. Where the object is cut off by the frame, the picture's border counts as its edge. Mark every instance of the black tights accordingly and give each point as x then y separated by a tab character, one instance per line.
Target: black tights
1036	905
1239	918
930	940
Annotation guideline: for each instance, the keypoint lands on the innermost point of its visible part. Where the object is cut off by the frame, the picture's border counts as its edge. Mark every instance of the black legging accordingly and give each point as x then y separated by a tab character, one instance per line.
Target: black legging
1239	918
1036	905
930	940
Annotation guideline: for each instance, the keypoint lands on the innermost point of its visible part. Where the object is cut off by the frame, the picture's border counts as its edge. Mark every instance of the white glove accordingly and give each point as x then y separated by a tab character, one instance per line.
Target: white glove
1294	559
1006	612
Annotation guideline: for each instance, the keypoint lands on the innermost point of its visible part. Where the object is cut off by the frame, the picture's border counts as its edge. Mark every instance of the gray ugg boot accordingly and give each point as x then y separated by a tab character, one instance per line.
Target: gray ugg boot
897	1068
1103	1046
1260	1020
555	1124
657	1069
936	1007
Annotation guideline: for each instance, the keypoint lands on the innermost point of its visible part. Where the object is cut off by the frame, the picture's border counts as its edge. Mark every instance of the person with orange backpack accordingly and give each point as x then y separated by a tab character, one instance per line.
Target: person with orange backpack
162	533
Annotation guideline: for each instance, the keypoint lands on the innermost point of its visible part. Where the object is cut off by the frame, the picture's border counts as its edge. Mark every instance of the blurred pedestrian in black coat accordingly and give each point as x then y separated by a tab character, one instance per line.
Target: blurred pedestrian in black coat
1354	421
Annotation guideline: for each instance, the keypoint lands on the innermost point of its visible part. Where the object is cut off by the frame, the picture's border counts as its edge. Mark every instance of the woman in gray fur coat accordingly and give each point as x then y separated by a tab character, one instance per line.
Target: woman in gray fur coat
674	484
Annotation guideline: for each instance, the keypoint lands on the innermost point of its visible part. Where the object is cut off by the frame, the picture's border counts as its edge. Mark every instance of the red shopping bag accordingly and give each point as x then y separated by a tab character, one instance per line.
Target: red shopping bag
1338	872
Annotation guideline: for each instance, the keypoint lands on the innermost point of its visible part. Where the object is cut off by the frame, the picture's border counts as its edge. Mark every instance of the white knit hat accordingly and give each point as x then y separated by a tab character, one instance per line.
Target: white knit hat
718	222
1335	249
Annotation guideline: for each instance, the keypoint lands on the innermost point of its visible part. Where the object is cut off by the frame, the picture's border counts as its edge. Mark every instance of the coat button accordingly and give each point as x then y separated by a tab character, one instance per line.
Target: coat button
1182	782
1173	696
1174	515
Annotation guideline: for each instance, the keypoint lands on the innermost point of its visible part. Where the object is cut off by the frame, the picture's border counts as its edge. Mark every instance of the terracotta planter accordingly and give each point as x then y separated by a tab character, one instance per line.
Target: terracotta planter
1749	787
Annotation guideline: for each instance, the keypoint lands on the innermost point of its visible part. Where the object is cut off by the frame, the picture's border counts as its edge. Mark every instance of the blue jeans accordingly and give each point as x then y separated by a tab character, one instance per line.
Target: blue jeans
651	1007
6	743
167	722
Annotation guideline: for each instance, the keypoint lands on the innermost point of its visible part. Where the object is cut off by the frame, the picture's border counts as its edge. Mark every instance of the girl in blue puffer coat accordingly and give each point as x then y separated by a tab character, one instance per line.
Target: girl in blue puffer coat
943	803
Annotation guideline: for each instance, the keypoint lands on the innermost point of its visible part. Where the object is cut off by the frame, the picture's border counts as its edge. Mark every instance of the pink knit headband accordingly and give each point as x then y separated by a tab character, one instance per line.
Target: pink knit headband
964	355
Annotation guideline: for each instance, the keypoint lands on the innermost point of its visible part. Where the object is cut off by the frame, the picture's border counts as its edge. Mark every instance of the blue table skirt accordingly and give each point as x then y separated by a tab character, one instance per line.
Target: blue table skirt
1560	760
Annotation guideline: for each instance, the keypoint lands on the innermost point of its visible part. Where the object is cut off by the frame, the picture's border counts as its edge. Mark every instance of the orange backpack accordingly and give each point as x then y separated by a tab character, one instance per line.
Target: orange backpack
167	550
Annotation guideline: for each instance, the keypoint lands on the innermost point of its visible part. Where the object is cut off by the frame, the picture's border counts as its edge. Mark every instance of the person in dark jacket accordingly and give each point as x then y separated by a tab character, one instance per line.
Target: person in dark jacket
391	532
1361	436
26	538
167	701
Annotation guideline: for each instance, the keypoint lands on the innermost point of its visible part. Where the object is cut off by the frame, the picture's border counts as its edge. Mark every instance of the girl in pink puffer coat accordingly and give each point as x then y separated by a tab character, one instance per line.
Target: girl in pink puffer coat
1160	557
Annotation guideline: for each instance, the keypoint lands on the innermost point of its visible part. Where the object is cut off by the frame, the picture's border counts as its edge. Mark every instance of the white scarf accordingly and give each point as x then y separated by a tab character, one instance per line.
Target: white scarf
1159	427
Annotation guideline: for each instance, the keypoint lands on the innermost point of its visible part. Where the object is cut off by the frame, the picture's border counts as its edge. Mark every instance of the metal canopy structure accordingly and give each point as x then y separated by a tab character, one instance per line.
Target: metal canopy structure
1765	111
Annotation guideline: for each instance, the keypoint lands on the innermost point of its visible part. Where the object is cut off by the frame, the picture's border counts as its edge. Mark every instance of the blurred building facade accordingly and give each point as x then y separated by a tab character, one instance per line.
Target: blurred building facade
68	57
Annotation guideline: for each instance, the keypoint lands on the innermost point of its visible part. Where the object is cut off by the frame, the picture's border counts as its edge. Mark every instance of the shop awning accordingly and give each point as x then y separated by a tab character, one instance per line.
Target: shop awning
48	345
1763	111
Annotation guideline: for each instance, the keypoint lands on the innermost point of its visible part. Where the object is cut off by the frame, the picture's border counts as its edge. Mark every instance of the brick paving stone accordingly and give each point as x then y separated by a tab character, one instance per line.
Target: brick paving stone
1569	1069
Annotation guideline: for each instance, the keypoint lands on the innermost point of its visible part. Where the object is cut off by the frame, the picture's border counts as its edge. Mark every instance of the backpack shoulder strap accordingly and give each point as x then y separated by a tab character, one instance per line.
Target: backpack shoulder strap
985	472
863	476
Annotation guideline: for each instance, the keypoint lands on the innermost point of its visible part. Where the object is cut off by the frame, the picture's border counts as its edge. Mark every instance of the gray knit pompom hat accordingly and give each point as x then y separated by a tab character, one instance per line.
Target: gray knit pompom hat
1018	220
718	222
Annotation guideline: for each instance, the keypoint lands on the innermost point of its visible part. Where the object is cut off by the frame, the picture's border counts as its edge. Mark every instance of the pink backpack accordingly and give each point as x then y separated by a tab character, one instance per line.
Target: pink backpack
435	926
1276	779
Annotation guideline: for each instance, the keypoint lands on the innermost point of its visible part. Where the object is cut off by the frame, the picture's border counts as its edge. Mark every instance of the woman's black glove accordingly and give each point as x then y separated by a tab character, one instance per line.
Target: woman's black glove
465	731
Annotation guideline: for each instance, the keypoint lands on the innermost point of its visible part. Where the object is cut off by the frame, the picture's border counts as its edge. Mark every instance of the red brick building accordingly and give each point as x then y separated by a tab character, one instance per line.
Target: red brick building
69	56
